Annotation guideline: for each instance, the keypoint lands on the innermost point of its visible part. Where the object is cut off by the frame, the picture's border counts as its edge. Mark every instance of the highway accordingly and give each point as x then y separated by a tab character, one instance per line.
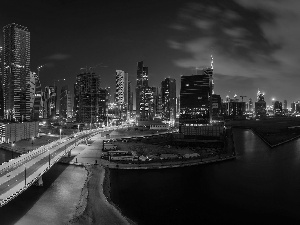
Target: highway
20	173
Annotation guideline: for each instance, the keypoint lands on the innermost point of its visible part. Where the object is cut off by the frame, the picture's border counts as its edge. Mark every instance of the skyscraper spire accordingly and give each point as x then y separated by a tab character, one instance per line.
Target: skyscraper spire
211	62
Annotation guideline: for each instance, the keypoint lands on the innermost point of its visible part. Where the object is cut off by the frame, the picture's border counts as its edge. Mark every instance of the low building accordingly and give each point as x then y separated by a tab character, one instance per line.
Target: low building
159	126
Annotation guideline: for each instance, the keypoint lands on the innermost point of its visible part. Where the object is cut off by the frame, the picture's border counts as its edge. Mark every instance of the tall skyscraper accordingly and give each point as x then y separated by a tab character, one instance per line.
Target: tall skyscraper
16	72
87	97
66	105
260	105
168	92
32	86
141	89
122	93
130	99
1	84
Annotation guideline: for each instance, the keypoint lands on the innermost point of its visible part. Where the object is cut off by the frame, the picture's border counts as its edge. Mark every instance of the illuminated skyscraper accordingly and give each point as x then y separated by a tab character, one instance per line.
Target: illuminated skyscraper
1	86
168	92
141	89
122	92
16	72
260	105
66	103
194	99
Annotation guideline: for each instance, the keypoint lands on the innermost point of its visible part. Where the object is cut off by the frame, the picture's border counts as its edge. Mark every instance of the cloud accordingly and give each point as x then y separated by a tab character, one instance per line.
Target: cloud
58	56
255	39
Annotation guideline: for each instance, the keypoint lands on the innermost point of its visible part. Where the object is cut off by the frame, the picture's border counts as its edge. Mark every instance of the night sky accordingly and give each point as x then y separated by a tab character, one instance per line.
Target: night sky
255	44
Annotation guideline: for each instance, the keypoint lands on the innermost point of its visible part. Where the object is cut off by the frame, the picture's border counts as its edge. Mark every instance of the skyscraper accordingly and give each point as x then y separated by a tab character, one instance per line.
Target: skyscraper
1	84
65	100
141	89
168	92
87	97
260	105
130	99
16	72
194	99
122	93
38	102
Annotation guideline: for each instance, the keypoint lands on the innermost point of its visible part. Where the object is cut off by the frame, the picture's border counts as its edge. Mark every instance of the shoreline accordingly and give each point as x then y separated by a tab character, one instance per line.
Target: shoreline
264	140
95	205
168	165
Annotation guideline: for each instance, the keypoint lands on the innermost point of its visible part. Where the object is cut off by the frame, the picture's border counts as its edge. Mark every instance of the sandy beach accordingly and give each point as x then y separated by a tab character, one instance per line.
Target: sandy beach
97	206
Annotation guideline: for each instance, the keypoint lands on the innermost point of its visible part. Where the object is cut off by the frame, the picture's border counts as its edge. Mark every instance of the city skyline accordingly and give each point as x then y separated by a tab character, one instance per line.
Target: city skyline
248	56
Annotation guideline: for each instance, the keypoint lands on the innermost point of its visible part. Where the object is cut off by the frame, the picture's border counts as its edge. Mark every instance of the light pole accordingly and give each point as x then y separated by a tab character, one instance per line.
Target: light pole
25	175
60	135
49	158
32	142
12	149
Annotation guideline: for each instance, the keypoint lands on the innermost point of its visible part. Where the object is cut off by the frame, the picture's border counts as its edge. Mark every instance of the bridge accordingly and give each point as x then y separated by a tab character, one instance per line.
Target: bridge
20	173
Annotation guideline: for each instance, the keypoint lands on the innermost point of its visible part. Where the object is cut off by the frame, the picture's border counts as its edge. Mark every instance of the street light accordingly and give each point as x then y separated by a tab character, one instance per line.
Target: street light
25	175
12	149
60	134
49	158
32	142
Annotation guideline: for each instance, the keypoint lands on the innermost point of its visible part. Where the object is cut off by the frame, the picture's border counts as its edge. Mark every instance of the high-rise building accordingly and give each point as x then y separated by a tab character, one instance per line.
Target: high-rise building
87	97
66	105
130	99
1	84
260	105
194	99
284	104
168	93
16	72
141	89
103	105
38	100
122	93
32	86
250	105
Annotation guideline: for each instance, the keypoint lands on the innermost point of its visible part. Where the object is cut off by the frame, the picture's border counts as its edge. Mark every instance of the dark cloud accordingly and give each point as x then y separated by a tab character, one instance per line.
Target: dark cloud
254	39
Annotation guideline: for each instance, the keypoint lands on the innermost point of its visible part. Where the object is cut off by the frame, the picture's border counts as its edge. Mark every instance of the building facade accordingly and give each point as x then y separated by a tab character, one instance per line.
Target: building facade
16	58
194	99
87	97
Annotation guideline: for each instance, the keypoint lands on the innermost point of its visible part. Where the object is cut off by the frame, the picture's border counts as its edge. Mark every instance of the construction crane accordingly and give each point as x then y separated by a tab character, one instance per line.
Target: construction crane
242	96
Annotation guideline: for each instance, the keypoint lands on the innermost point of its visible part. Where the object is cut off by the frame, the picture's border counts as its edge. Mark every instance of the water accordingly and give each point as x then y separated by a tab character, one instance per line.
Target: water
261	185
54	203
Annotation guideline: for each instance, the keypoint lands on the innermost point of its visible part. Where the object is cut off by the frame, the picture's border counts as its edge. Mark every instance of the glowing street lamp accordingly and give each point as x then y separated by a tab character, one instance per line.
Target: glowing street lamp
60	134
12	149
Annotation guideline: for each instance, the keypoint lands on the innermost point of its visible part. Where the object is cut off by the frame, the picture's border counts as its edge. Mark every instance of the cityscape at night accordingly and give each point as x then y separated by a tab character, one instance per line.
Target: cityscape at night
149	112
